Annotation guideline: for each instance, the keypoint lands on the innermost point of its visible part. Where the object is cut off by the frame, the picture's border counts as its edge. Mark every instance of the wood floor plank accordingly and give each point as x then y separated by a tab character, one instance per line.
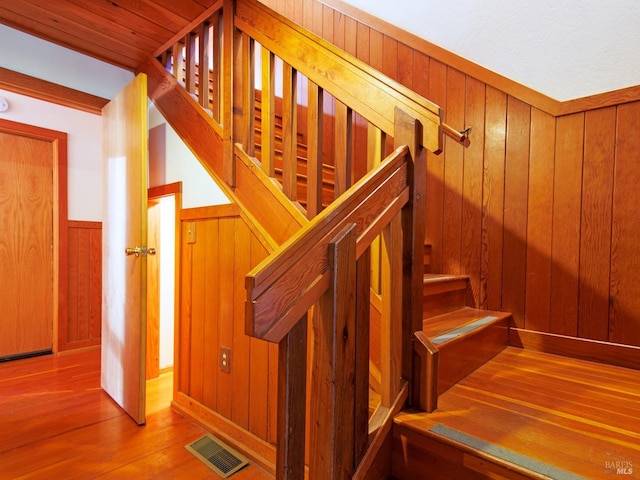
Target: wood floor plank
574	415
57	423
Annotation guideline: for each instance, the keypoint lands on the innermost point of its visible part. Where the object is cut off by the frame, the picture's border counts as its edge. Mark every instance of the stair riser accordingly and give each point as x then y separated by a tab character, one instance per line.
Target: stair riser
461	356
415	452
441	298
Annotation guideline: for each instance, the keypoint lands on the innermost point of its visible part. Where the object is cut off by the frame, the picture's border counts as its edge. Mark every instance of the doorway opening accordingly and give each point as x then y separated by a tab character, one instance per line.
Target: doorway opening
163	234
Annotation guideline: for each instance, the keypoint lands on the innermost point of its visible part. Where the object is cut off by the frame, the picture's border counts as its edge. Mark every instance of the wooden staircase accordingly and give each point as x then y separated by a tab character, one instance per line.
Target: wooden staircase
501	412
465	337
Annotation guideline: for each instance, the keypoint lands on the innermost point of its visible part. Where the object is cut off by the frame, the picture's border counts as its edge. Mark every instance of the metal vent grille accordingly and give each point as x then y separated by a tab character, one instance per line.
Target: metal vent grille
221	458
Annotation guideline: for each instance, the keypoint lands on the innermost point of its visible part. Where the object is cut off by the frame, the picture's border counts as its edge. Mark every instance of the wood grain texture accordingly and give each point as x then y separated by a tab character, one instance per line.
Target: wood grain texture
624	326
539	224
224	251
82	326
58	215
512	402
59	408
26	223
567	194
595	226
472	188
515	208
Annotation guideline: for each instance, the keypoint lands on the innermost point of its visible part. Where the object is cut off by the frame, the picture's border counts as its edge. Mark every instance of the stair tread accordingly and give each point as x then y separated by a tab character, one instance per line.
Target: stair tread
442	278
436	326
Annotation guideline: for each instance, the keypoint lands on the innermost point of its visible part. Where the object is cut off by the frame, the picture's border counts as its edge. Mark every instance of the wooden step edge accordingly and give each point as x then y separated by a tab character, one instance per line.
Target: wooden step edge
462	317
478	456
468	325
434	284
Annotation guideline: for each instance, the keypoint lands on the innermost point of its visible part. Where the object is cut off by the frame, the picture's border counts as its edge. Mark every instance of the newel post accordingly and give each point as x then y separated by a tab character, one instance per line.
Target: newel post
292	391
332	422
408	131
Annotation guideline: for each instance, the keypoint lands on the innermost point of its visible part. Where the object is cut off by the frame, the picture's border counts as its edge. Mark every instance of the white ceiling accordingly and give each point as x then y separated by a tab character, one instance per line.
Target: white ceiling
565	49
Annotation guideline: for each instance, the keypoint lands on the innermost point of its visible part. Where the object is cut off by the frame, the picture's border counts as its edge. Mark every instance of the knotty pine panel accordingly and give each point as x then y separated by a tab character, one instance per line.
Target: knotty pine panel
82	326
212	317
556	246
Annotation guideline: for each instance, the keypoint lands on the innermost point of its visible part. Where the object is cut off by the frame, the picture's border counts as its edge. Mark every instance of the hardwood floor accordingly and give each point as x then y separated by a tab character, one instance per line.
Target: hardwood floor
56	422
573	415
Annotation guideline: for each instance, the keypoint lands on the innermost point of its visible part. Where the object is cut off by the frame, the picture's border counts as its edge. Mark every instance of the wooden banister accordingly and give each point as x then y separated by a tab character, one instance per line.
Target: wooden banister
278	294
352	82
366	233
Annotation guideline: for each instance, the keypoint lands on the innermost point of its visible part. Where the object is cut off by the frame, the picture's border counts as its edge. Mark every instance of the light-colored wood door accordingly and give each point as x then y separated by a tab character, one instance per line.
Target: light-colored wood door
125	169
26	245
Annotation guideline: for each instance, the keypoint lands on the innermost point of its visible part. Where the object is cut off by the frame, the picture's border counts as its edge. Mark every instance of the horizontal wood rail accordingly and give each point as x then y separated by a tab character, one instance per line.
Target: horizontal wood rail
279	296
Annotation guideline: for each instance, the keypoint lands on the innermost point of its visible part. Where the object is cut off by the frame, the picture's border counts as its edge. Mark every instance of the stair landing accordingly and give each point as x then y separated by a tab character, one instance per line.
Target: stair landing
527	414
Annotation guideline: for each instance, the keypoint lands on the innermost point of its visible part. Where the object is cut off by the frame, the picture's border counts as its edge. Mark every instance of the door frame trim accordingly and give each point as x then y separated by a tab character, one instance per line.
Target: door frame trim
58	142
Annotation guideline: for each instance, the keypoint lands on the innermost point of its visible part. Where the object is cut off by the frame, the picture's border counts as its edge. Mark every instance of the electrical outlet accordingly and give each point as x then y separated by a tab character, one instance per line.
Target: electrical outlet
225	359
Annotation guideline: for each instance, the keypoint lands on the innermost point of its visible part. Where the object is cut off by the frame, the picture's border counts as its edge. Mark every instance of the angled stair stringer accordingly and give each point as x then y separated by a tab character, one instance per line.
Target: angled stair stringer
269	210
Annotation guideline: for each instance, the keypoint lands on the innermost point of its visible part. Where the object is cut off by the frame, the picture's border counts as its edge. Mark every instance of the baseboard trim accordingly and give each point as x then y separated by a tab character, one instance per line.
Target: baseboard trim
258	450
617	354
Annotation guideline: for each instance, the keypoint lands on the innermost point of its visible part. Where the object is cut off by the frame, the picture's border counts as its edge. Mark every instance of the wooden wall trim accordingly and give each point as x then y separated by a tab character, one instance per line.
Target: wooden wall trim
50	92
627	356
261	452
213	211
500	82
84	224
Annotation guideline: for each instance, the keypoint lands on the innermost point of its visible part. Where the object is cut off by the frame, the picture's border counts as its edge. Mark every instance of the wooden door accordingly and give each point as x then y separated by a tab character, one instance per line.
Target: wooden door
26	245
125	150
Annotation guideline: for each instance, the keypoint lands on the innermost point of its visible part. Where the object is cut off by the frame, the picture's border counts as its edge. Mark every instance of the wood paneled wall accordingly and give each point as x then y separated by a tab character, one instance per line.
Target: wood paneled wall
213	270
82	326
539	210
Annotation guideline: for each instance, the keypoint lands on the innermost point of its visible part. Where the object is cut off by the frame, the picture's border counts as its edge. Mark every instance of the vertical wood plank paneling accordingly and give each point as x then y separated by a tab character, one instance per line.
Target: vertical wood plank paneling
258	372
490	296
209	340
317	17
390	57
435	172
226	288
73	279
363	43
82	325
595	228
83	289
453	176
405	65
515	208
198	295
540	208
351	36
339	30
186	308
567	195
376	45
327	23
472	186
624	324
272	397
241	343
95	280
